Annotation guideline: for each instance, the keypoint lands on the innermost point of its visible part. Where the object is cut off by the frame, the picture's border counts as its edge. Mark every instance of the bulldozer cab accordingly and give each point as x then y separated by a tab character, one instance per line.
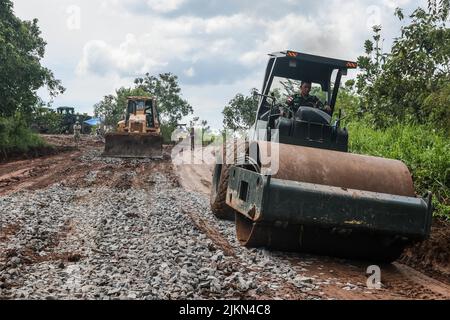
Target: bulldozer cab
65	110
307	126
145	106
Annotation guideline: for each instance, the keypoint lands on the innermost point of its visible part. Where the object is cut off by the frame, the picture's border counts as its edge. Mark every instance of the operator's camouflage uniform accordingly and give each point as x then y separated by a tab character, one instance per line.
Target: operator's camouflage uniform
76	132
298	100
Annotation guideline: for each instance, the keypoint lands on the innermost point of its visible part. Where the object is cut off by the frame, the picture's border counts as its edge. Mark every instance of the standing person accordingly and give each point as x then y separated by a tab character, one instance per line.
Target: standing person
76	132
192	134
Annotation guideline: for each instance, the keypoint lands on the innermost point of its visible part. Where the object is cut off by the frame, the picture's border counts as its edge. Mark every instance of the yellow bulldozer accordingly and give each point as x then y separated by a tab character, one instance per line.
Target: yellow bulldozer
138	135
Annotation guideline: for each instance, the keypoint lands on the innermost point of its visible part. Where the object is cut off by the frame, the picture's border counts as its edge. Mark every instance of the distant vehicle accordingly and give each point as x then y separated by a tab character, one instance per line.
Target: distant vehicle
69	119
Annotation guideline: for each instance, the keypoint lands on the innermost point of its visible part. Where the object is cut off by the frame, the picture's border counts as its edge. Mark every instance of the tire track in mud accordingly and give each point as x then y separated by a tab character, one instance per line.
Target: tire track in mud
36	174
211	232
426	287
345	279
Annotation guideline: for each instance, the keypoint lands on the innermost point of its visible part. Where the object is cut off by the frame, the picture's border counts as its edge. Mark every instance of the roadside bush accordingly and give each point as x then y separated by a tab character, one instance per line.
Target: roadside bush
166	132
48	122
437	106
16	136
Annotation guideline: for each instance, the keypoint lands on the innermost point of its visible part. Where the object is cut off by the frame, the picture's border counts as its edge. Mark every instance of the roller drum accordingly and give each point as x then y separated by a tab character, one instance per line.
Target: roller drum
339	169
335	169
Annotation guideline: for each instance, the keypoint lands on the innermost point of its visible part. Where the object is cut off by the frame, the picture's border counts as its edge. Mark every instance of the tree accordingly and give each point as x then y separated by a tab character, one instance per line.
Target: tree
240	112
172	107
46	120
21	72
395	85
109	110
437	105
348	101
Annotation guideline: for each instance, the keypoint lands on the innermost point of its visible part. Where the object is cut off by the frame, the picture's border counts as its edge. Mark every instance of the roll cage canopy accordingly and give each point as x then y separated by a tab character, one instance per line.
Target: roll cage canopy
306	67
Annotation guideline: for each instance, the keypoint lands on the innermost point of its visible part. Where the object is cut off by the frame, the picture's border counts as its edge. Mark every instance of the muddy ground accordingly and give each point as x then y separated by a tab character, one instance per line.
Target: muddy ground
74	225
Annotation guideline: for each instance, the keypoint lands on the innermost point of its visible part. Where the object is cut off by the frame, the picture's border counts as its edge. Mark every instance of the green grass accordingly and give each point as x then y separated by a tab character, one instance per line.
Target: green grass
16	136
166	133
425	150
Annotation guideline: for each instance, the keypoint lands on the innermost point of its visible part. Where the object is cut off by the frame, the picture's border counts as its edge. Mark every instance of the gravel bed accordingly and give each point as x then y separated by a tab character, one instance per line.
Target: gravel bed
107	243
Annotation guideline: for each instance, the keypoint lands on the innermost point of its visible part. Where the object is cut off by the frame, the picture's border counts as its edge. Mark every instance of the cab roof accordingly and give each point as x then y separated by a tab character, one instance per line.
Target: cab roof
145	98
307	67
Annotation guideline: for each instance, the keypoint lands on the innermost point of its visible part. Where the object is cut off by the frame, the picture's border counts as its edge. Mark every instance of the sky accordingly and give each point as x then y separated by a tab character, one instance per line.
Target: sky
216	48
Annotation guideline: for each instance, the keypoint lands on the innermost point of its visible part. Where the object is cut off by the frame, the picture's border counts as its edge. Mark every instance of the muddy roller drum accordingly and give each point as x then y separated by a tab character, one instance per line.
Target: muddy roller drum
327	202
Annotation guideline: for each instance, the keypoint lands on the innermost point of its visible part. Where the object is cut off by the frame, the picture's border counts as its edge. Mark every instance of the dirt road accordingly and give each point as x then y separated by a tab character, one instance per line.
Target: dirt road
76	225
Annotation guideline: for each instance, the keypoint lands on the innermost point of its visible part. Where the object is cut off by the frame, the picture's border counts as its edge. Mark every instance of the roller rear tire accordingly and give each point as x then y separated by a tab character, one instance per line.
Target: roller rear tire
219	192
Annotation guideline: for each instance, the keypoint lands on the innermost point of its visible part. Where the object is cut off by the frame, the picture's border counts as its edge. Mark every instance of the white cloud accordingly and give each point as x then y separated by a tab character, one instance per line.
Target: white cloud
395	3
211	48
164	6
129	59
189	72
181	39
243	38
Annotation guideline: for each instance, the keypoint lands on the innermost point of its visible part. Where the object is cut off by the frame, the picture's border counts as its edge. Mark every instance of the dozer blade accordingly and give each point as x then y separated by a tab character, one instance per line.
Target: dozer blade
135	145
330	203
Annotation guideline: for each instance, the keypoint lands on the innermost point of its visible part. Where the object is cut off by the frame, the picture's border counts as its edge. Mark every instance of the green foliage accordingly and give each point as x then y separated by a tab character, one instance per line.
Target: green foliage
109	110
394	86
21	73
407	92
45	120
425	150
348	102
240	112
317	91
172	107
437	105
16	136
205	128
290	87
166	132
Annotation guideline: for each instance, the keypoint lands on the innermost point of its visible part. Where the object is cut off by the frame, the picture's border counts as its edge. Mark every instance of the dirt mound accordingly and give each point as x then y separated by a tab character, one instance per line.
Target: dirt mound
35	152
55	144
68	140
432	255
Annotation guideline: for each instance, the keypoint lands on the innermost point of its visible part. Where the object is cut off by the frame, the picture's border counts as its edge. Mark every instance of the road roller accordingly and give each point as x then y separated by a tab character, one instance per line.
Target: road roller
292	185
